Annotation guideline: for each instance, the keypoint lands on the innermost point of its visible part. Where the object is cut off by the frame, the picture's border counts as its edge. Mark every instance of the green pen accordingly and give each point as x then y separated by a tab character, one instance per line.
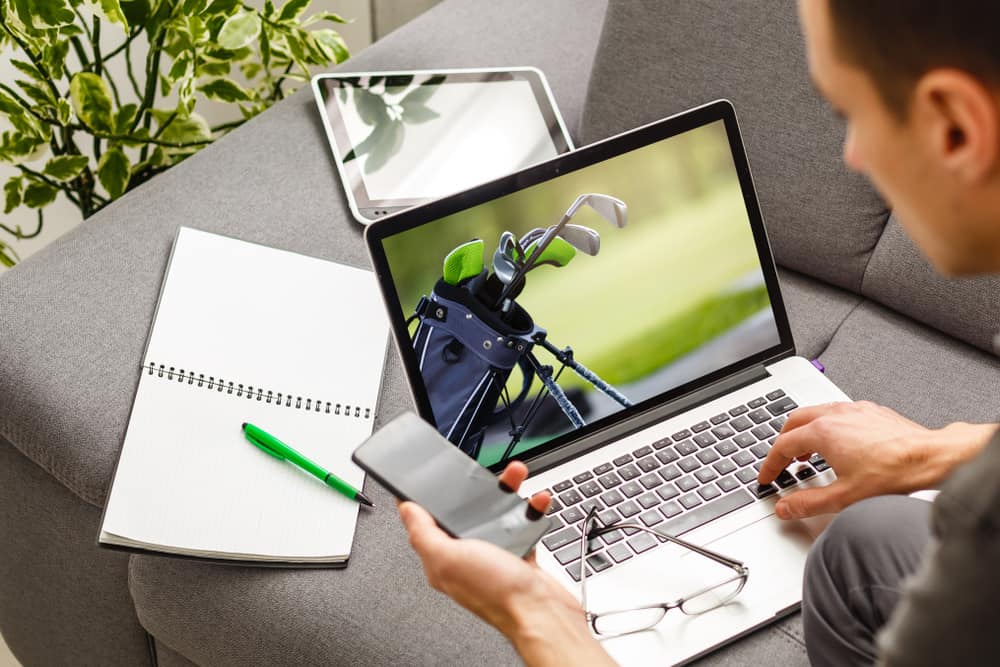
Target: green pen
279	450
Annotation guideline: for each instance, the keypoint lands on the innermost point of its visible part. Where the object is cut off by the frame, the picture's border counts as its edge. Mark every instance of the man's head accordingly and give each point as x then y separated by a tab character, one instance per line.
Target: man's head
918	84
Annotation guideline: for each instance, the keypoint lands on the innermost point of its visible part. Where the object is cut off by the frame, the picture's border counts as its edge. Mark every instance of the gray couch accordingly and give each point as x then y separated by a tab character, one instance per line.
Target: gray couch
74	318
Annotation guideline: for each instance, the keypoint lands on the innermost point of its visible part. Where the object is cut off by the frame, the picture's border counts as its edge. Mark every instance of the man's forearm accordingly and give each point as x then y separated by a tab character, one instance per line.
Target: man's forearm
947	448
552	633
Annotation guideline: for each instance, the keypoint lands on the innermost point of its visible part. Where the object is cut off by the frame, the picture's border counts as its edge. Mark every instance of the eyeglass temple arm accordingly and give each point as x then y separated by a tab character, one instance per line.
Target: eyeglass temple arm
708	553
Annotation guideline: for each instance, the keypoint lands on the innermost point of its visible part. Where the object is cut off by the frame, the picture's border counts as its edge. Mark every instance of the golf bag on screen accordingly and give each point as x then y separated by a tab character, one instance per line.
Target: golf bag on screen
466	354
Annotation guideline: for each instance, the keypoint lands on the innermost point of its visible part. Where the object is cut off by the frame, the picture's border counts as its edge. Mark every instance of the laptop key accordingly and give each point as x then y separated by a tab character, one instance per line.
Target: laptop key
608	517
760	415
562	486
628	509
622	460
687	483
688	464
611	497
741	423
670	509
709	492
719	418
567	555
660	444
651	517
559	539
700	426
574	571
743	458
603	469
642	542
667	491
571	497
728	483
758	465
612	537
775	395
631	489
583	477
706	475
708	512
781	406
745	440
610	480
757	402
819	462
648	500
670	473
762	432
554	506
594	503
805	473
642	451
666	456
764	490
778	423
746	475
572	515
591	488
685	448
681	435
619	553
760	450
629	472
648	464
651	481
785	479
725	448
708	456
599	562
739	410
723	432
705	439
690	500
724	467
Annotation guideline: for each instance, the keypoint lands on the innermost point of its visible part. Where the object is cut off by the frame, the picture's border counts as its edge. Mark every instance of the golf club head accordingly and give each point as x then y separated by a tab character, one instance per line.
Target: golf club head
584	239
503	266
508	245
610	208
530	238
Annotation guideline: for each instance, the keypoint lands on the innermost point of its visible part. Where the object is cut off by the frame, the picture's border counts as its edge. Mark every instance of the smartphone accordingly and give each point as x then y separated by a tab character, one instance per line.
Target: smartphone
411	459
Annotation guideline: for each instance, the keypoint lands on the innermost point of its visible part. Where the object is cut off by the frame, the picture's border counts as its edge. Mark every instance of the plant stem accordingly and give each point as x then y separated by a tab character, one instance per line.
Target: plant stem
228	126
23	102
81	55
95	42
34	61
48	181
131	74
152	74
19	235
124	45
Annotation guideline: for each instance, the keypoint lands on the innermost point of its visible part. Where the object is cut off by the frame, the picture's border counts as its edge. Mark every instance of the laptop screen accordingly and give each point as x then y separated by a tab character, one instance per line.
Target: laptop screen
559	306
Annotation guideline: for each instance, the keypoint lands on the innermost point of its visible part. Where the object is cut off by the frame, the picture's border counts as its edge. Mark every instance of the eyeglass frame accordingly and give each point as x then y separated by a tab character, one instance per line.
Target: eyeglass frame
742	571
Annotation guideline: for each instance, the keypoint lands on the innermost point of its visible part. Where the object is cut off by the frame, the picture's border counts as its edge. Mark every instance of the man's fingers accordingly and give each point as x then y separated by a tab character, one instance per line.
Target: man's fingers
540	501
425	535
787	447
802	416
810	502
513	475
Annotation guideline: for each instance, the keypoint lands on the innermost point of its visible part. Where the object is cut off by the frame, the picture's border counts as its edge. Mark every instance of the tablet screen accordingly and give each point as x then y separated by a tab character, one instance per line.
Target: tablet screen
405	139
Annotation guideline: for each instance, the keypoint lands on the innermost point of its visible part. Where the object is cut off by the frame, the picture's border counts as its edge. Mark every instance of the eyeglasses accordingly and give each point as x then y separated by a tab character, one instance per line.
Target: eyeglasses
636	619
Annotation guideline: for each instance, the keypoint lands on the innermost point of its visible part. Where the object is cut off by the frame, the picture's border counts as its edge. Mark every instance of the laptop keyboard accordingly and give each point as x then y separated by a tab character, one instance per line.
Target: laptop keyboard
675	484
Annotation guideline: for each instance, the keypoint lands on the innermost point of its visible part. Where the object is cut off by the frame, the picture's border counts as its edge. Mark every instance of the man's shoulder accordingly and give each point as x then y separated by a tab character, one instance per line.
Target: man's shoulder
969	500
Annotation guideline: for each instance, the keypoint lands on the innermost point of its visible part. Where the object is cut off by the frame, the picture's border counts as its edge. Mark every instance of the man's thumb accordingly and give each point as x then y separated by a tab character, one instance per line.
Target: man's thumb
809	502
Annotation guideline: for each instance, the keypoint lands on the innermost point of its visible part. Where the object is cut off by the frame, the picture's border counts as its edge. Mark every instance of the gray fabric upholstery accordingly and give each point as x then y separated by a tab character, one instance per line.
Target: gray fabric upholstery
77	313
815	310
899	276
167	657
885	357
62	601
659	58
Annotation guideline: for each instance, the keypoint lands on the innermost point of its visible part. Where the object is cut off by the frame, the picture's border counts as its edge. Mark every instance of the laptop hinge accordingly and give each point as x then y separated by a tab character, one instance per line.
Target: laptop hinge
647	418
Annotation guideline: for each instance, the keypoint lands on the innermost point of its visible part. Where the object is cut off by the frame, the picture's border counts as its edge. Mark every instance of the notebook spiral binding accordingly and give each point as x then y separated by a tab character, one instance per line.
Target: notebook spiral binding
256	393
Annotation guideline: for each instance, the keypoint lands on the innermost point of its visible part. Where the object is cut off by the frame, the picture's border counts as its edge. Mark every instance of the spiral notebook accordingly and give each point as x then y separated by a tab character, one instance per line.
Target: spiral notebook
247	333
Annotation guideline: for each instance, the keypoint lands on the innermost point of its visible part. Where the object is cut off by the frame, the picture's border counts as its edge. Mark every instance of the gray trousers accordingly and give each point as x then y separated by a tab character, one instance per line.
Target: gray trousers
854	576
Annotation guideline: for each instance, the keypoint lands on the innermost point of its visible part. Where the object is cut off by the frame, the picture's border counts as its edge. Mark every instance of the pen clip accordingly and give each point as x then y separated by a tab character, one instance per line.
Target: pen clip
263	447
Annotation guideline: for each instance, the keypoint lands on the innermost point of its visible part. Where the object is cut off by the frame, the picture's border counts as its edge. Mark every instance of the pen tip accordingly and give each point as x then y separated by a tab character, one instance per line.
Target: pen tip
363	499
244	426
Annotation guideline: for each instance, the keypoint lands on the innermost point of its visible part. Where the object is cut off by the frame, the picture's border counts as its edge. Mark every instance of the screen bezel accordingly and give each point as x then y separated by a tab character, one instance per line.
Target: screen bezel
721	110
368	209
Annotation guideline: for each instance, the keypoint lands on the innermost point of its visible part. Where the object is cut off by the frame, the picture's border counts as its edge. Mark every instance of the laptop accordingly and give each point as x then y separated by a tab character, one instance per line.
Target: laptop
613	318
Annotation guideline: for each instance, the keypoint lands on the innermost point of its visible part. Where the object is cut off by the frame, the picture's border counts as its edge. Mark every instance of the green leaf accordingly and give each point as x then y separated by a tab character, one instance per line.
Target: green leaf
89	95
293	9
332	44
179	69
324	16
251	70
239	30
225	90
42	96
63	112
7	255
9	105
136	12
113	171
44	13
113	10
12	193
222	6
192	7
183	129
65	167
39	194
54	57
27	68
124	117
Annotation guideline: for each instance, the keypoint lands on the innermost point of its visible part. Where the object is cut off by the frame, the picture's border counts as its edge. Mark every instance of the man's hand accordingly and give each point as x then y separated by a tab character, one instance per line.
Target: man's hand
544	622
874	451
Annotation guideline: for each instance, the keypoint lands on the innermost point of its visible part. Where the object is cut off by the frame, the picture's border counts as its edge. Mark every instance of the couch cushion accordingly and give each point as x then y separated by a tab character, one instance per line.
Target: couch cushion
888	358
76	315
899	276
658	58
815	310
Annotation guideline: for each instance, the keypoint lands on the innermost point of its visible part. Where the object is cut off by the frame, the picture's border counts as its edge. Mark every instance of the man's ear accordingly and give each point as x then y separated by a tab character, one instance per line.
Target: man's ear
963	119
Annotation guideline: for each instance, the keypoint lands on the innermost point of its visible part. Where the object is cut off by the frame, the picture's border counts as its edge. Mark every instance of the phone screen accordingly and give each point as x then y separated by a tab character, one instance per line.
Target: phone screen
414	462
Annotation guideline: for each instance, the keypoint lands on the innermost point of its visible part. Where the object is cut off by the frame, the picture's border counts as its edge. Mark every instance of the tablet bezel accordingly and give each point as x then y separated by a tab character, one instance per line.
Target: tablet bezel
365	209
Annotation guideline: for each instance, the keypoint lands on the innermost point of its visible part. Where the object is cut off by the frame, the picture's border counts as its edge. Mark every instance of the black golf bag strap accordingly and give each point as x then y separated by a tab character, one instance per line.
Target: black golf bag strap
527	377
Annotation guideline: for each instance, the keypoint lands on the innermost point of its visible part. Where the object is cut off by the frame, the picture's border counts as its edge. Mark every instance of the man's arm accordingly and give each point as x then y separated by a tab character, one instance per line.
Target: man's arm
874	451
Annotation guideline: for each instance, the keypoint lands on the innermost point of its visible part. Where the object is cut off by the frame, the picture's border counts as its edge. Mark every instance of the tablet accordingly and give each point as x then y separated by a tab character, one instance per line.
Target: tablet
401	139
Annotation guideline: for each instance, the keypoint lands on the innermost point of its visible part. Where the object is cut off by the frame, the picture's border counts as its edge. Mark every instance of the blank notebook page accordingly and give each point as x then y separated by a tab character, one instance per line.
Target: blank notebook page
246	333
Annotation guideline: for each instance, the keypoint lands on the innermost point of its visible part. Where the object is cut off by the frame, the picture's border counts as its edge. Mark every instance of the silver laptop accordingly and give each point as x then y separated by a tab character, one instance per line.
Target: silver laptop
613	318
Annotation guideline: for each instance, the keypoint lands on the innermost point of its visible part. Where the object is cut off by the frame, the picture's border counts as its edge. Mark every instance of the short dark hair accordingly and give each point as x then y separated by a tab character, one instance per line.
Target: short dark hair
898	41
